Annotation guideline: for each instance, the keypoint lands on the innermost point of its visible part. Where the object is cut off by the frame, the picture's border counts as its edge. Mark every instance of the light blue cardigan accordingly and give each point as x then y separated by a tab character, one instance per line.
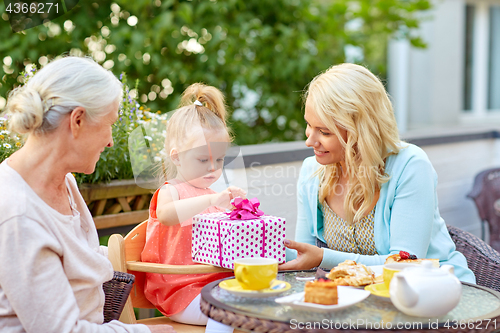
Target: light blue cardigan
406	215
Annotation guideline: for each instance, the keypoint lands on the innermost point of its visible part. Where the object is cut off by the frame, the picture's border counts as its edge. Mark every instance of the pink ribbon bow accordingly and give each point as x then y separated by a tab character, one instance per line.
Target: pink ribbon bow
245	209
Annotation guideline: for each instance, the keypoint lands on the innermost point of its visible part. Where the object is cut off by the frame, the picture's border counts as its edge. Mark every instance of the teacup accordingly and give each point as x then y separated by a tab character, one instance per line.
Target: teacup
255	273
391	269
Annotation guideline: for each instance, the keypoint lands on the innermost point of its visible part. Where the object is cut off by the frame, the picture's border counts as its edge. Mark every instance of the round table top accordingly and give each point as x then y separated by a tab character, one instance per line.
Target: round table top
479	308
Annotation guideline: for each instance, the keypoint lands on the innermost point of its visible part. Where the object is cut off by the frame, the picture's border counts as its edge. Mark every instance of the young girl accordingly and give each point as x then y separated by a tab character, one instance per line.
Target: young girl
197	138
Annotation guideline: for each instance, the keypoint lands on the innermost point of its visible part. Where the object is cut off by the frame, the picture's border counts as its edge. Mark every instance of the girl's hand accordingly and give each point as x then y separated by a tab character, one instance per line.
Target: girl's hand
223	199
161	329
308	256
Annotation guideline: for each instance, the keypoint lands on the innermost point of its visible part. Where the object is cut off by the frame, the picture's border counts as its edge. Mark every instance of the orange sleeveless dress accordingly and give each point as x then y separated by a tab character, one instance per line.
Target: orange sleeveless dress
172	293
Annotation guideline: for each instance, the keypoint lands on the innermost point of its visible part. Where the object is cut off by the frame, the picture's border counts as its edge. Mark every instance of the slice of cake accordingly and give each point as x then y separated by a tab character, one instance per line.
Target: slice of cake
405	257
322	291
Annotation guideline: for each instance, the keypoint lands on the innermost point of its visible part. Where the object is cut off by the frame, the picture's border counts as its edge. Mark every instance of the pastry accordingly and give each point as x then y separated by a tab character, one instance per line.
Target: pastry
405	257
322	291
349	273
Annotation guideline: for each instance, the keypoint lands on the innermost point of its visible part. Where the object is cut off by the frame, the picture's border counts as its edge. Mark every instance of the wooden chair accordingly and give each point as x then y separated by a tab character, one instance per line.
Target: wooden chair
482	259
125	255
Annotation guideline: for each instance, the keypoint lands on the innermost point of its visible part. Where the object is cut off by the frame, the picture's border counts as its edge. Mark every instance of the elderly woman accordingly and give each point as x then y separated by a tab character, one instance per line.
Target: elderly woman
52	267
365	195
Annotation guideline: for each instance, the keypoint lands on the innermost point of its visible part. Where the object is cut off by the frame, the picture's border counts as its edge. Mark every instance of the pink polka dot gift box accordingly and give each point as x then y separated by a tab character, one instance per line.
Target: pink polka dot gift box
220	238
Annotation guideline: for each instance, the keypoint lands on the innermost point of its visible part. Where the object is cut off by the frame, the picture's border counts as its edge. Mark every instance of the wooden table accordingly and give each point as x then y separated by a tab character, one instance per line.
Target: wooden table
478	311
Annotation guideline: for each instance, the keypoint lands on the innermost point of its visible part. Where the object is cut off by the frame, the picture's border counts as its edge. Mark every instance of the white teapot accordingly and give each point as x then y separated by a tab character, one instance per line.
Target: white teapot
425	291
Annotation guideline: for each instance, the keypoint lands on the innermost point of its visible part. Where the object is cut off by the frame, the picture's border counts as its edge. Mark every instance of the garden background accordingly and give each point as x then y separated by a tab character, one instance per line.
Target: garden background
261	54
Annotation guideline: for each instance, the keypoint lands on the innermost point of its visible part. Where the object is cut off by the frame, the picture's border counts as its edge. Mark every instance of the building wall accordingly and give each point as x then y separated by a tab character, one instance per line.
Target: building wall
433	78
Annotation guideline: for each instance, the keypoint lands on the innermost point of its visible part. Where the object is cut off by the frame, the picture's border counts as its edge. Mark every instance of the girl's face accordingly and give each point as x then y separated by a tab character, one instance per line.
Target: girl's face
327	146
201	165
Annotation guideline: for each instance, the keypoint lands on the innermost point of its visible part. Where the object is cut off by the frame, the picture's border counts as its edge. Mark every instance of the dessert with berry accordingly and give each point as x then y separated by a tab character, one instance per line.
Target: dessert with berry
409	258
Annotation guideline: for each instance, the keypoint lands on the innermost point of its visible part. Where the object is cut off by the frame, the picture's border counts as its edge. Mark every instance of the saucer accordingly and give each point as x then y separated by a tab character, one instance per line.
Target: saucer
347	296
378	289
233	286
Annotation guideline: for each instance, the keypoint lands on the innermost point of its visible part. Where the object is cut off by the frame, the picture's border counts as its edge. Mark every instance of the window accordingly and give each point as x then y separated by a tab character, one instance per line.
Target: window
481	86
469	24
494	63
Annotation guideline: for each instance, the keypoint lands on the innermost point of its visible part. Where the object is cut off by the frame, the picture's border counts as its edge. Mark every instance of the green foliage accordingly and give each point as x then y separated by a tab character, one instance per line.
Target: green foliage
261	54
9	142
104	240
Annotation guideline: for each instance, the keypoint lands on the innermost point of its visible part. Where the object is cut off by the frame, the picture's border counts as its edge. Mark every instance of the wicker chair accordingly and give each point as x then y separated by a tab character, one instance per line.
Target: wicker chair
116	293
482	259
485	191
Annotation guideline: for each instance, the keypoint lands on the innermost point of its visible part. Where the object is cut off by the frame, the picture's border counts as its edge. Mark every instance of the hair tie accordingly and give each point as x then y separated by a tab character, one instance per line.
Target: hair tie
197	102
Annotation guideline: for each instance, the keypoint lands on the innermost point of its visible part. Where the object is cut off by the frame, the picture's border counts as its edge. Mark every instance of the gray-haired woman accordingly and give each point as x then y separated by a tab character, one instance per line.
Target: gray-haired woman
52	267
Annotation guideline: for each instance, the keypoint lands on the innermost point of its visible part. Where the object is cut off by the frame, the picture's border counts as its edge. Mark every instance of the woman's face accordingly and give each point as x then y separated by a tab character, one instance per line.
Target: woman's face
327	146
97	135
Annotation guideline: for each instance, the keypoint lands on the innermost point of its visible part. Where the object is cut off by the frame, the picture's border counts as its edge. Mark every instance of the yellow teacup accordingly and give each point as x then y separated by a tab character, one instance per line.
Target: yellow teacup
255	273
391	269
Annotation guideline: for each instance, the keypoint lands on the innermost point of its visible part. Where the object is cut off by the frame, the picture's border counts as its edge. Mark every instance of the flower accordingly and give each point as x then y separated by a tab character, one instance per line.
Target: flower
6	145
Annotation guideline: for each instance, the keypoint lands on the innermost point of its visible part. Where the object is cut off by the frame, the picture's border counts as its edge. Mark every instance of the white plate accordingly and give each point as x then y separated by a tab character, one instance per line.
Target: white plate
347	296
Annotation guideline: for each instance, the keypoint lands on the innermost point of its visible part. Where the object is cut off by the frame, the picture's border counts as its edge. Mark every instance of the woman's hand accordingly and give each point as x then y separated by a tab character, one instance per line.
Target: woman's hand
308	256
223	199
161	329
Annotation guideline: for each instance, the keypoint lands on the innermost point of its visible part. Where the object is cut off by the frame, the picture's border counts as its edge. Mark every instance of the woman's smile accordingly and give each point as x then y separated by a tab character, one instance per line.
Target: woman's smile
320	153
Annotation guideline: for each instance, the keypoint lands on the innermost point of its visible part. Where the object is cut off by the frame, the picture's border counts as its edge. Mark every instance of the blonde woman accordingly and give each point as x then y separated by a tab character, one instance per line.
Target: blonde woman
365	195
52	267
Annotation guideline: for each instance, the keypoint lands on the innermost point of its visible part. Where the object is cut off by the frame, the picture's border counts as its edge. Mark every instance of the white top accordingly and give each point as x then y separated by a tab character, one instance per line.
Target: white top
51	265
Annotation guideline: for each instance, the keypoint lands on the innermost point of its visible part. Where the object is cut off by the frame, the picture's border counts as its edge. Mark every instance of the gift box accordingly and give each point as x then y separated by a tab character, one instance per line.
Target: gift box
220	238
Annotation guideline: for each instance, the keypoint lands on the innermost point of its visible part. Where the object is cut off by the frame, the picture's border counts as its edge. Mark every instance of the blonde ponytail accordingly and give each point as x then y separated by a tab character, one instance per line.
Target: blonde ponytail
211	98
211	115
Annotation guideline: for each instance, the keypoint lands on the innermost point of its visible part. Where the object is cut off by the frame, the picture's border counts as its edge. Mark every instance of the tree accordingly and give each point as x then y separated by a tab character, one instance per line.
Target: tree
261	54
